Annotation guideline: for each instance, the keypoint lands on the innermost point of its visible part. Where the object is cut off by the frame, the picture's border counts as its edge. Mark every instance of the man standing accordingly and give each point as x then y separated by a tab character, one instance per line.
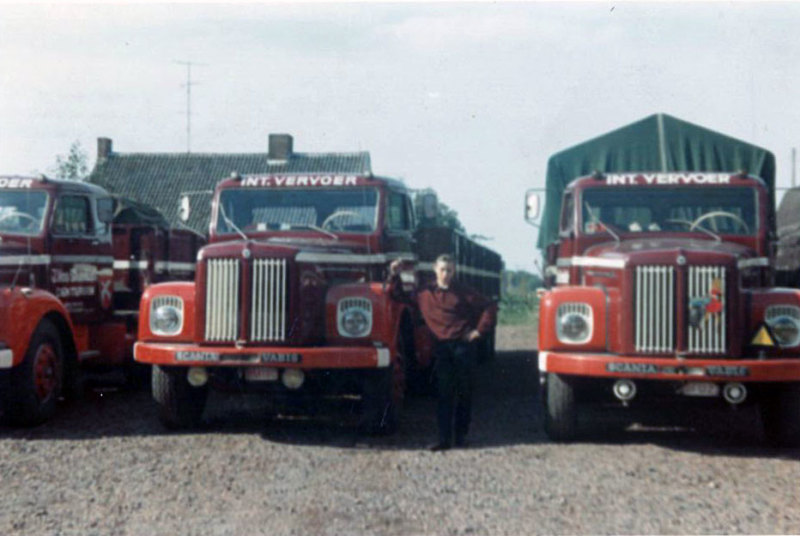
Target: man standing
457	316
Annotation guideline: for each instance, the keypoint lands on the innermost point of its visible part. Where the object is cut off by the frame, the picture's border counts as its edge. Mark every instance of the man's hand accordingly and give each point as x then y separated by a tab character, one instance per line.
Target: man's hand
394	268
472	336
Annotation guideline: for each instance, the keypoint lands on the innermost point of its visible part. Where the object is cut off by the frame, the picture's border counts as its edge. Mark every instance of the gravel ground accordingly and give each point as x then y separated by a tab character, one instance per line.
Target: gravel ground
105	466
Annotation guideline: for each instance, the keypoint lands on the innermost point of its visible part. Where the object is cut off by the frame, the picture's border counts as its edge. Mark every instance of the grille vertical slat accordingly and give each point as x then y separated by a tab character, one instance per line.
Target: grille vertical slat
655	309
707	283
268	311
222	299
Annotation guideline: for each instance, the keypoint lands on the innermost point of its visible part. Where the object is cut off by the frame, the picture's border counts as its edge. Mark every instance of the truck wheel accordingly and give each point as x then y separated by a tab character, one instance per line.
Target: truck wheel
560	408
180	404
383	396
35	385
780	415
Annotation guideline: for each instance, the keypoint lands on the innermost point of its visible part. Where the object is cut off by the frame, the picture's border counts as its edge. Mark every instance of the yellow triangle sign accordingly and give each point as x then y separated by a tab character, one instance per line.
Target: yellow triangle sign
763	338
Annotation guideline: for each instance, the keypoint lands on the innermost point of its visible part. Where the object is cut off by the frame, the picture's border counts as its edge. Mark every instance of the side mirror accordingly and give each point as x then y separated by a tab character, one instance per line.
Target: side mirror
532	206
105	210
430	206
184	208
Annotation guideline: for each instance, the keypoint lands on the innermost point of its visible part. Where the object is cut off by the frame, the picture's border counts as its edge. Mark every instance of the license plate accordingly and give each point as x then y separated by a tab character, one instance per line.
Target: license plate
700	389
258	374
196	356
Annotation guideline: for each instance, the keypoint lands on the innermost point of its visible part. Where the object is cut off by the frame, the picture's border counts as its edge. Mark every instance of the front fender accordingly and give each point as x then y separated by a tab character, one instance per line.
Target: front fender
386	313
21	311
186	292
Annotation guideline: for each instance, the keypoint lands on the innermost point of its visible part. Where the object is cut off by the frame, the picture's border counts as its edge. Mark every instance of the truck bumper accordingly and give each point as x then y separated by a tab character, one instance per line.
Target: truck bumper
623	366
318	357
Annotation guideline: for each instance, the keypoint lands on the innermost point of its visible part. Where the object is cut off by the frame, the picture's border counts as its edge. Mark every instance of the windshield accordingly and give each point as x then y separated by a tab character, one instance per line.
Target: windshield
719	210
350	210
22	212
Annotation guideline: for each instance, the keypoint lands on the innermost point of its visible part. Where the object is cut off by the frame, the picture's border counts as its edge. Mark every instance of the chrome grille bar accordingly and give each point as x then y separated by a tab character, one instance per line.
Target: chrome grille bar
222	299
710	336
655	309
268	304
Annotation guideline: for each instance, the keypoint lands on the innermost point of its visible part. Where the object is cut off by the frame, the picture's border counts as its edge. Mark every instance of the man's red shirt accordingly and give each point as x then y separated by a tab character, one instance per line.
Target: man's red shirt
453	312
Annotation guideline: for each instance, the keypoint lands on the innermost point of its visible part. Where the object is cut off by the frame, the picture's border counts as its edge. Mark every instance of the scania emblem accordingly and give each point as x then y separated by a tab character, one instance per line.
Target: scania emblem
246	253
703	308
681	260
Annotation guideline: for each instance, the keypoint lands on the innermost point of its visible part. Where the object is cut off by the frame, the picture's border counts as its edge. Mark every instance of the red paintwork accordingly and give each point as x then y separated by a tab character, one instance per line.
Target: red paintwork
549	307
770	370
45	371
21	310
314	290
54	265
184	290
608	290
313	357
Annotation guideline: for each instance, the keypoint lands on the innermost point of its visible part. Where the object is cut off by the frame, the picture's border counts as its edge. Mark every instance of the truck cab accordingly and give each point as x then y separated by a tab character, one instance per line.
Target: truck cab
59	298
663	286
289	297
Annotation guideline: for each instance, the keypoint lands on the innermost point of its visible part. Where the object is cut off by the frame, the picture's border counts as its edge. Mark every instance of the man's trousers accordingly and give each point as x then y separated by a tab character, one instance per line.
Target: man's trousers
455	364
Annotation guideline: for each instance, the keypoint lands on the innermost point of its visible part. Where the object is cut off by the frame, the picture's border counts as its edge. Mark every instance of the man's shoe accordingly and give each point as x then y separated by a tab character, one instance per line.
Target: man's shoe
438	447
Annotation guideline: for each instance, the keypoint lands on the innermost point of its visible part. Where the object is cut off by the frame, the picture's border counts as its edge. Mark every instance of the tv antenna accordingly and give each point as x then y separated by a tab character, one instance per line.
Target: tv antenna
188	85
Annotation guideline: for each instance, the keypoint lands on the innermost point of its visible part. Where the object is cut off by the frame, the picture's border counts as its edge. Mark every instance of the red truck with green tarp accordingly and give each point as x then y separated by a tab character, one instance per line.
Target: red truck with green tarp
659	243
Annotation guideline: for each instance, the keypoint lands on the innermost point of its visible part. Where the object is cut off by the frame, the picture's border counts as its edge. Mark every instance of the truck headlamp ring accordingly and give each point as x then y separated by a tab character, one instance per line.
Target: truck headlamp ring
574	323
166	315
354	317
784	322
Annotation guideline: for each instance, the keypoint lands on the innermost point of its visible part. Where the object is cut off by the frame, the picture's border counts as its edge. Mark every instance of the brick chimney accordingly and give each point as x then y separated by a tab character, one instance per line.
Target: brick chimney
280	146
104	148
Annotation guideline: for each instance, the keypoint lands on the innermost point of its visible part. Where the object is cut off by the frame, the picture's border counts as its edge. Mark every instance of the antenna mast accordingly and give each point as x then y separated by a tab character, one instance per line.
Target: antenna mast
188	85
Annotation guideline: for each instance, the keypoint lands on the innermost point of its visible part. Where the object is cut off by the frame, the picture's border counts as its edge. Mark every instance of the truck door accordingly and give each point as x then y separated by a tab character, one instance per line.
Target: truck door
398	228
82	260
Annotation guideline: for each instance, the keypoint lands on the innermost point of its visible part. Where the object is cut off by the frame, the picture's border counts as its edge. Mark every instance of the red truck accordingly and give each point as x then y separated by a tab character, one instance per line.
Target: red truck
663	287
290	298
66	305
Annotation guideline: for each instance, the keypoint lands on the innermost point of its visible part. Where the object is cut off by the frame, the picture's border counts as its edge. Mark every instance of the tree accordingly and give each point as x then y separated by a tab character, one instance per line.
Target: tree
74	165
446	216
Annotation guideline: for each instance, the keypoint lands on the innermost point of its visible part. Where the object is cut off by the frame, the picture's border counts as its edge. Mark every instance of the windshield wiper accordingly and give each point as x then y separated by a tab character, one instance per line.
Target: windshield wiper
714	235
230	223
312	227
596	219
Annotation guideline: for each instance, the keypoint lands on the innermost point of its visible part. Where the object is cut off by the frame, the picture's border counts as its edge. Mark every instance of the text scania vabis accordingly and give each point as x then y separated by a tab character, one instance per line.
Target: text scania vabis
70	280
290	299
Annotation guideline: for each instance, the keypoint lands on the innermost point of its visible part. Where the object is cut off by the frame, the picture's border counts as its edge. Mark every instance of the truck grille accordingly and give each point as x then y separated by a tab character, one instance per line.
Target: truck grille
268	307
706	282
222	299
655	309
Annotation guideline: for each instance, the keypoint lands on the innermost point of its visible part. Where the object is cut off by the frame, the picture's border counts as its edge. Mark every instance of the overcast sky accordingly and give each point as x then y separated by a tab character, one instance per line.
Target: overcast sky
470	99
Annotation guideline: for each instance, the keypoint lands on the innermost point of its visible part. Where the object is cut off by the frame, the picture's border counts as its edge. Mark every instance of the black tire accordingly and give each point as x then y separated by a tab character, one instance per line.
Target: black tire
780	416
181	406
35	386
560	408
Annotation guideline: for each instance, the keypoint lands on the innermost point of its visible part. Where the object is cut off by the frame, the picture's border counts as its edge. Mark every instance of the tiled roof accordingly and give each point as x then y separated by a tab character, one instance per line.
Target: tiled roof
158	179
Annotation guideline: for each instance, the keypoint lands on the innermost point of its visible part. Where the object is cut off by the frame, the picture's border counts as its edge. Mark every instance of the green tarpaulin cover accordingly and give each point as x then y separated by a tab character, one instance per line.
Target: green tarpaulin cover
656	143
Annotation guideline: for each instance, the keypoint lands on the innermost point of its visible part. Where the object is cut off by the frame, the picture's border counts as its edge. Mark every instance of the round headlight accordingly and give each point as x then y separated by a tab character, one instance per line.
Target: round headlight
355	323
786	330
166	320
293	378
574	328
354	317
